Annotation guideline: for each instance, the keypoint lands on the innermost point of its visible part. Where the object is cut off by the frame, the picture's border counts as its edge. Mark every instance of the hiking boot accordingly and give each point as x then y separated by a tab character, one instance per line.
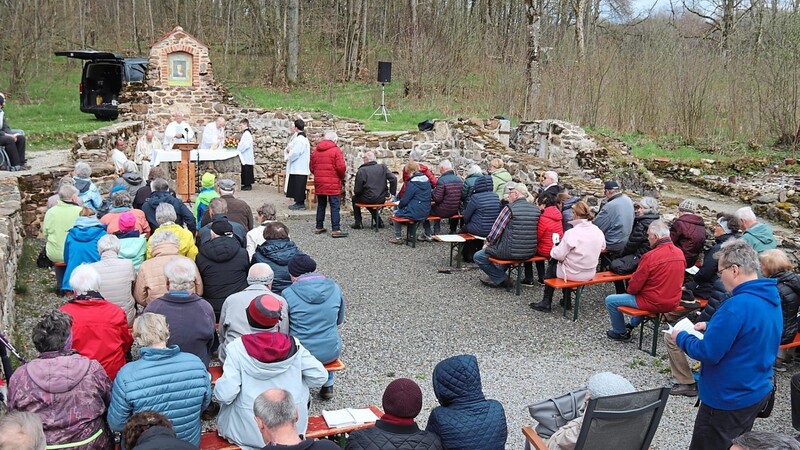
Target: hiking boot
397	241
326	392
319	230
541	306
687	390
566	304
614	336
425	238
357	226
297	206
779	366
339	234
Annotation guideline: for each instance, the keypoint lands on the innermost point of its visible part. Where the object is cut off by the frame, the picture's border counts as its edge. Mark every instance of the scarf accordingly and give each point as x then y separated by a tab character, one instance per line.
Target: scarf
397	420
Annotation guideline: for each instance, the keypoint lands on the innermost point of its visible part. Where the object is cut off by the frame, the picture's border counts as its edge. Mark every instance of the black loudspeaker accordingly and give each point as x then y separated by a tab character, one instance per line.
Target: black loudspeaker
384	72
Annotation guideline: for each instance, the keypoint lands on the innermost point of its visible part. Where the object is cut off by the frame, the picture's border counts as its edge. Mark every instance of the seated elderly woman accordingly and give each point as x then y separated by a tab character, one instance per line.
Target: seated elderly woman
99	327
415	203
87	190
575	258
479	215
276	251
116	284
130	179
120	204
81	244
151	282
57	222
149	430
61	380
645	212
166	217
66	180
776	264
255	237
164	380
132	245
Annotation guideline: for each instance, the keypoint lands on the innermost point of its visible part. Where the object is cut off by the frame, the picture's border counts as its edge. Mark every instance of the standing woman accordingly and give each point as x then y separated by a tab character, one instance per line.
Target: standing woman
245	149
298	156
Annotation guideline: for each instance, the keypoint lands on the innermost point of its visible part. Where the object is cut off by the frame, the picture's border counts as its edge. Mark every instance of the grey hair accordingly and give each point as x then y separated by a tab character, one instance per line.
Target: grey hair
84	278
275	407
181	273
66	180
260	273
120	199
67	192
739	252
605	384
757	440
658	229
165	213
108	242
416	155
150	329
130	166
51	332
21	430
649	205
552	175
446	164
370	155
159	185
267	211
218	206
746	214
160	237
474	169
83	170
331	136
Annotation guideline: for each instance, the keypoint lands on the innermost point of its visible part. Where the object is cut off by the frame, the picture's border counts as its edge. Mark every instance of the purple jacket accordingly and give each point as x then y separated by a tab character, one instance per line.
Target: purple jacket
69	392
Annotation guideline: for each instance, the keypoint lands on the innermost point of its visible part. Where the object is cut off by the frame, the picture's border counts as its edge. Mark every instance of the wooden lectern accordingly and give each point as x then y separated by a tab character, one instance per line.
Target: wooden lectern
187	171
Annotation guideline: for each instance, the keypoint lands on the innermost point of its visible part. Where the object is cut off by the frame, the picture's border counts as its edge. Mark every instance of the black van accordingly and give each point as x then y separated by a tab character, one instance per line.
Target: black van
102	78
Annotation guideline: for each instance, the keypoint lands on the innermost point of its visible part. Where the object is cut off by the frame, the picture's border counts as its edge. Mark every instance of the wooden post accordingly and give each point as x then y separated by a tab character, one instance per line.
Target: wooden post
186	172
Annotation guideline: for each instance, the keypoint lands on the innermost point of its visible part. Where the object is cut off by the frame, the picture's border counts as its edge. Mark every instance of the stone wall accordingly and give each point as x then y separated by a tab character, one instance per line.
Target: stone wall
95	146
11	234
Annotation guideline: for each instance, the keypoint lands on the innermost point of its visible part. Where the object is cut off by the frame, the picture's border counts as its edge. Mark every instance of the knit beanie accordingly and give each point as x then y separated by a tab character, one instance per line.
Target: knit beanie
117	188
687	206
208	180
402	398
264	312
301	264
605	384
127	222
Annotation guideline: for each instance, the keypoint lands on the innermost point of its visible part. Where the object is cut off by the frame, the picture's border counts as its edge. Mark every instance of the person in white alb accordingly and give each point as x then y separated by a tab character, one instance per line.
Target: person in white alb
298	156
245	149
213	135
178	132
118	155
146	148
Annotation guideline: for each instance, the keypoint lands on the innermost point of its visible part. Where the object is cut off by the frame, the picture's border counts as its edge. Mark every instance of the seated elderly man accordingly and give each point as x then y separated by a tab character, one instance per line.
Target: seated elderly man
446	198
236	209
550	183
513	237
223	264
21	430
218	208
151	282
257	362
120	204
118	156
655	285
166	218
276	417
99	327
56	225
144	192
116	284
190	318
255	237
130	178
370	187
233	320
161	194
146	148
87	190
758	235
13	141
615	218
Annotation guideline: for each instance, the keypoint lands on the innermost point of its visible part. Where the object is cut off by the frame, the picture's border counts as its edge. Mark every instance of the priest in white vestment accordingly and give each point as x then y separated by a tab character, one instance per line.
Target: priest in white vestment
178	132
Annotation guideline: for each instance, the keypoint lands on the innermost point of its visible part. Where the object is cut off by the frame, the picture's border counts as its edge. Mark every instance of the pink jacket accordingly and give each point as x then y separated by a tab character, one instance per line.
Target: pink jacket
579	250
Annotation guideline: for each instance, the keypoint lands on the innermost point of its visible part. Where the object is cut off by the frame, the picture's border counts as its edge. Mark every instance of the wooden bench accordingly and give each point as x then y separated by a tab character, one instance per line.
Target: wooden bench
516	265
456	242
280	178
334	366
655	319
375	210
599	278
210	440
411	229
319	429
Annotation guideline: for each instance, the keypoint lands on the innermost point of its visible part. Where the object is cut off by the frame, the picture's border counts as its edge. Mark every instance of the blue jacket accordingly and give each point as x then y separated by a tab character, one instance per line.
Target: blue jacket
164	380
466	419
184	214
482	209
81	245
88	193
277	254
416	201
739	346
316	308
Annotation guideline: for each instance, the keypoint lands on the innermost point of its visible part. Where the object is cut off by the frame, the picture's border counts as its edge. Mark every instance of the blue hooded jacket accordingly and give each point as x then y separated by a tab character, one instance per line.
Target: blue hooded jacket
482	209
466	419
739	346
416	201
316	308
277	253
81	245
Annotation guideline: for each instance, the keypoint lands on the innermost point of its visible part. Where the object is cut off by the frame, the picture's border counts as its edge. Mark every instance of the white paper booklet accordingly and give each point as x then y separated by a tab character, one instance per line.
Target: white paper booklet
692	270
685	325
348	416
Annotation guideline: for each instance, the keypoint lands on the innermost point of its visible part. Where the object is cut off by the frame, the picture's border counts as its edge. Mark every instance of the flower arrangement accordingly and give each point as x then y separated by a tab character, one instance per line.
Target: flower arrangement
231	142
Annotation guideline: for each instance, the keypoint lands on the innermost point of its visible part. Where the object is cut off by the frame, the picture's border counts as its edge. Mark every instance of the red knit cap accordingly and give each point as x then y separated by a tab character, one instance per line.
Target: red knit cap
264	312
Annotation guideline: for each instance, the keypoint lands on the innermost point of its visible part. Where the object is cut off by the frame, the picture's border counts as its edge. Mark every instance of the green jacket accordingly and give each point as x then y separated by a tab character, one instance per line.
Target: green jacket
201	202
760	237
57	222
500	178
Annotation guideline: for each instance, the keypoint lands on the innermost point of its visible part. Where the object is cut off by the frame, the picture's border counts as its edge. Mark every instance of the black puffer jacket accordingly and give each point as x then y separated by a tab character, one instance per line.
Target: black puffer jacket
483	208
223	265
789	288
447	195
389	436
637	242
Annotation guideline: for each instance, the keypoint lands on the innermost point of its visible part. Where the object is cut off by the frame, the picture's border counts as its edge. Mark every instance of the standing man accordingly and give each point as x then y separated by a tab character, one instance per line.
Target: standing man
297	156
146	147
213	135
615	218
177	132
13	140
370	186
328	167
246	155
737	350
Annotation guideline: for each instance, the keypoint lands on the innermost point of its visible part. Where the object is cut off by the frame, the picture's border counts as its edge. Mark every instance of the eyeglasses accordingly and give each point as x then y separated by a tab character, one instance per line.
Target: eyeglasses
719	272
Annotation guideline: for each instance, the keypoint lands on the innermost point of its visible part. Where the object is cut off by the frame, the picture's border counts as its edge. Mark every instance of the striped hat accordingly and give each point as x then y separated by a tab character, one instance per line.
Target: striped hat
264	312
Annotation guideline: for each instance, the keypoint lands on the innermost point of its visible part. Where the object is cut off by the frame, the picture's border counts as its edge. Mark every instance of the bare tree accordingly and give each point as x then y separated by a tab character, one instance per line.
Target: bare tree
292	40
533	73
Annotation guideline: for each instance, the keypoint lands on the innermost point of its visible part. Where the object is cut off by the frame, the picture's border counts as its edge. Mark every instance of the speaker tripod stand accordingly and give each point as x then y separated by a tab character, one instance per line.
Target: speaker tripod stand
382	111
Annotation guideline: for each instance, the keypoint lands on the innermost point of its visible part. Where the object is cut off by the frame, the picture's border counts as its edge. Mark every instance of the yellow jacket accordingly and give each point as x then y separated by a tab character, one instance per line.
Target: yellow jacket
187	246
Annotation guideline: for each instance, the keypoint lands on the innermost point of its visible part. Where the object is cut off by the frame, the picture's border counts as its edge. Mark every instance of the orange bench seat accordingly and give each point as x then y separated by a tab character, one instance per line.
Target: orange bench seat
599	278
655	318
516	265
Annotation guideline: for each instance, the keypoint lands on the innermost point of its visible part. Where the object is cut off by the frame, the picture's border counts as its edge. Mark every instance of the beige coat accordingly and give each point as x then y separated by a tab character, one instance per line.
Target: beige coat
151	282
116	282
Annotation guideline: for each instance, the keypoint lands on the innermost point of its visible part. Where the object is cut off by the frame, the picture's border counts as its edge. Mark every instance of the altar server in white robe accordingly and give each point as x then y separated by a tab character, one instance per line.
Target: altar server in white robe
146	148
178	132
246	155
213	135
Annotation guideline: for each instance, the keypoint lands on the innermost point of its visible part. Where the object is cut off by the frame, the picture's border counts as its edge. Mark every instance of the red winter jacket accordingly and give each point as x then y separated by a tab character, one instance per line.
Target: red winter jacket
407	176
99	331
327	165
658	280
549	223
688	233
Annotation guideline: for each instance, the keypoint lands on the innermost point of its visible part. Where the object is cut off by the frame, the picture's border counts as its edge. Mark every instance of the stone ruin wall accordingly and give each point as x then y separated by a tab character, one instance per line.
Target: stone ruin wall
11	234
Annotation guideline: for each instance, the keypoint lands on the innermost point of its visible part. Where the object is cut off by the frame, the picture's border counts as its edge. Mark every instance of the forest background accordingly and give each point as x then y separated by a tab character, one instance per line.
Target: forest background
701	73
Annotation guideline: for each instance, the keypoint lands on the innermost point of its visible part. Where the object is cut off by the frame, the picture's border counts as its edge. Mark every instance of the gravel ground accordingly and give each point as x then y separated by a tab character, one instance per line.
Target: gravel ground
403	317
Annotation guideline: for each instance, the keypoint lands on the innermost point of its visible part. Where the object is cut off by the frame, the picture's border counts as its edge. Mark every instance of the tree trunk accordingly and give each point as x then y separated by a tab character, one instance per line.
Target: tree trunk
533	73
580	40
292	40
